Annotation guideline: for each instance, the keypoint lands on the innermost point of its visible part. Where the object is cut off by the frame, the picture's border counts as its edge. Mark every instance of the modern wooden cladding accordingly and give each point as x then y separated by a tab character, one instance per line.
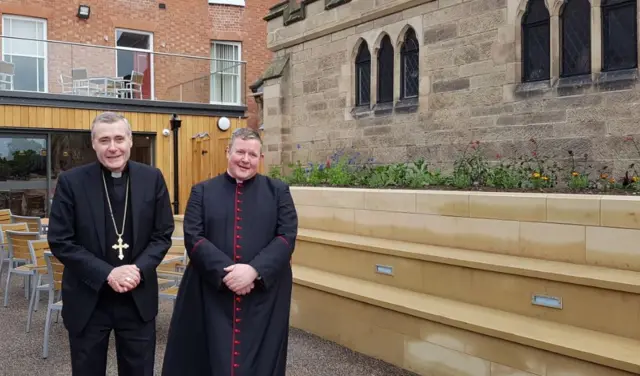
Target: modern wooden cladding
201	145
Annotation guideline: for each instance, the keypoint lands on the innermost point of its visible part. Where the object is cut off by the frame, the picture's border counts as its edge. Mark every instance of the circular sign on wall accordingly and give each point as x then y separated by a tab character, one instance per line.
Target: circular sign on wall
224	123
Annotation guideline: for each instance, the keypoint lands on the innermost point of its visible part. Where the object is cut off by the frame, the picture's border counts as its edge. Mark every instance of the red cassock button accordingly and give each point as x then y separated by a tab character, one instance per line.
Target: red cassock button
238	228
238	246
236	353
238	257
236	365
238	320
238	309
237	330
237	342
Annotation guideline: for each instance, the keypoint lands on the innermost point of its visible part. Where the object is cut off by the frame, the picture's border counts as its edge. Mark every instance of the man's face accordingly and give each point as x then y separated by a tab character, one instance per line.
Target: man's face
112	144
244	158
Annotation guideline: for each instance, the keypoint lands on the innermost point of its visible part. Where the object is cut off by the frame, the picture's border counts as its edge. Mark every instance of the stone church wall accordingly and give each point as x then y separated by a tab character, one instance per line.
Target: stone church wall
470	86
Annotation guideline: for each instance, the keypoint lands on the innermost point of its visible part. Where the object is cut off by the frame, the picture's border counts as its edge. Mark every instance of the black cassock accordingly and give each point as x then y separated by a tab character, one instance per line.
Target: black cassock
213	331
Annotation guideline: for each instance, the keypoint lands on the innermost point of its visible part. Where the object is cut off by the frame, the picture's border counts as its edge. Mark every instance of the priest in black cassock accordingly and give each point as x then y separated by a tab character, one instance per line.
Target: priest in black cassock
111	225
231	316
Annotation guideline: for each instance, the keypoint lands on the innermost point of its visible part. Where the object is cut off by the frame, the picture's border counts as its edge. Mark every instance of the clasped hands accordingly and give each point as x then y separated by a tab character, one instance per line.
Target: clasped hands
124	278
240	278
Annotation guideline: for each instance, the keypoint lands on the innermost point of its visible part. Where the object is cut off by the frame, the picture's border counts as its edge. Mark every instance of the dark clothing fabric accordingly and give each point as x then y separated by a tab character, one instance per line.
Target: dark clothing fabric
81	236
117	189
213	331
135	340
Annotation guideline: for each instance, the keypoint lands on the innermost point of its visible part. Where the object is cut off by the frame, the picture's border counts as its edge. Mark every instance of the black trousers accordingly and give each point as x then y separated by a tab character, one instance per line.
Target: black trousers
135	339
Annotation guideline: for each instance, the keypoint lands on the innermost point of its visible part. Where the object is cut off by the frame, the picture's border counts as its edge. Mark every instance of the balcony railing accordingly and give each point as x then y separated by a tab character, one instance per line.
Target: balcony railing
56	67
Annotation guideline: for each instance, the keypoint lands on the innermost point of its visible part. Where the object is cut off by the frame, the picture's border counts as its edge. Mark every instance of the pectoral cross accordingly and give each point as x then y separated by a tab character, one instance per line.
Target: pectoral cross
120	246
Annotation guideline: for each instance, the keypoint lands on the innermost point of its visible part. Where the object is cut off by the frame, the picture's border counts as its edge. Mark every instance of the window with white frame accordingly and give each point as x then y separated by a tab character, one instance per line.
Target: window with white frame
134	63
28	57
227	2
226	72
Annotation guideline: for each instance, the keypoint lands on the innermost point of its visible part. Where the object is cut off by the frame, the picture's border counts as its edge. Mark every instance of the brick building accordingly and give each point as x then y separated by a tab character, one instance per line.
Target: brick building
403	79
222	29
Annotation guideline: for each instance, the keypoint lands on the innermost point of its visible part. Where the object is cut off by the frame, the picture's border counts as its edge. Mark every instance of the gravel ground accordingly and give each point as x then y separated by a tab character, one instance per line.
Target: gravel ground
21	352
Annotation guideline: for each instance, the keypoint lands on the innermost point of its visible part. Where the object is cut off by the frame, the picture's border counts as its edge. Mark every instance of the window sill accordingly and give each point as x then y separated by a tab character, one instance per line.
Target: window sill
226	103
361	111
617	80
382	109
239	3
402	106
579	85
407	105
574	85
532	89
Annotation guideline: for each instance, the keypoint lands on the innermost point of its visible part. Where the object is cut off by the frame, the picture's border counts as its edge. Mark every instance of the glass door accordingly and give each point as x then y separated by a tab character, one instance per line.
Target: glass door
24	183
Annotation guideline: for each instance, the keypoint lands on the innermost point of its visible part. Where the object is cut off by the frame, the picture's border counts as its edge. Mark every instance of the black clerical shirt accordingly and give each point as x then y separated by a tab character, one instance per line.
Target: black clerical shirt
117	192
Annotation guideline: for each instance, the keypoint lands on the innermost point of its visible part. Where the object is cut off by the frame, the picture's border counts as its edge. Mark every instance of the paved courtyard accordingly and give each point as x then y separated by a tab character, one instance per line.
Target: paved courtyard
21	352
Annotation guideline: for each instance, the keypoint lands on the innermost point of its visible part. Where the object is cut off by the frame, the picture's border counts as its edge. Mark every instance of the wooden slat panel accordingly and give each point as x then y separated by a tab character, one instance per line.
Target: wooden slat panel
20	245
12	227
5	216
39	248
212	163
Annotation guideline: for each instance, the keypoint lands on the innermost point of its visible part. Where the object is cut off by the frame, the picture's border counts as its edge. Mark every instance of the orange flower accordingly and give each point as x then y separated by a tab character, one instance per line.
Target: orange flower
604	175
612	180
536	175
635	179
545	178
575	173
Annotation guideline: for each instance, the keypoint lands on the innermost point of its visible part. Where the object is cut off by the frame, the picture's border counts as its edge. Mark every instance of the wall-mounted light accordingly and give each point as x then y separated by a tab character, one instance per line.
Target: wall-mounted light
224	123
84	11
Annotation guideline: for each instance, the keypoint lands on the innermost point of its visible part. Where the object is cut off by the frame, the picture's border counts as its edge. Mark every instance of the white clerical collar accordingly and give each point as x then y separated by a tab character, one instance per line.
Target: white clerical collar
115	174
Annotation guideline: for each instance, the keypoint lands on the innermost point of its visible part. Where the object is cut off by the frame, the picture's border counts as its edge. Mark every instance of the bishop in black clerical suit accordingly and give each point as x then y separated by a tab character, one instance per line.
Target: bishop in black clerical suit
101	220
230	221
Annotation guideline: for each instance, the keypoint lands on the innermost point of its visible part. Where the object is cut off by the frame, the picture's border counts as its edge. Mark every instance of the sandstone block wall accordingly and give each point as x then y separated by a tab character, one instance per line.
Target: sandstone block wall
470	87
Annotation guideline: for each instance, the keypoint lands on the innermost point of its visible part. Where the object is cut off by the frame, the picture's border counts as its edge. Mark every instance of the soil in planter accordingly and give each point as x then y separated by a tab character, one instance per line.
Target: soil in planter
586	191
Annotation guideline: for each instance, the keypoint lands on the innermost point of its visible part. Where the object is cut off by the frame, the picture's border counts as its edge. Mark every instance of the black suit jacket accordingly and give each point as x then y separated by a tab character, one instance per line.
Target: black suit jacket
77	238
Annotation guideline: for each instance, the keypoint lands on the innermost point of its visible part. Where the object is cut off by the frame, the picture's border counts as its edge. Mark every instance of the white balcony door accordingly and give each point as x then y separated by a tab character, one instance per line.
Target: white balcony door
134	53
225	73
28	57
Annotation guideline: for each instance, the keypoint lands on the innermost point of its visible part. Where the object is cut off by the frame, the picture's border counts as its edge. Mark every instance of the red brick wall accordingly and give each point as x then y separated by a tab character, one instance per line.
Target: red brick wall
184	27
246	25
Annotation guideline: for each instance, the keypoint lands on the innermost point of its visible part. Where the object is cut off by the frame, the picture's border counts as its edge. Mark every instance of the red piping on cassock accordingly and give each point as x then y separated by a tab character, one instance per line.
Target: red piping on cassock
196	245
284	240
236	299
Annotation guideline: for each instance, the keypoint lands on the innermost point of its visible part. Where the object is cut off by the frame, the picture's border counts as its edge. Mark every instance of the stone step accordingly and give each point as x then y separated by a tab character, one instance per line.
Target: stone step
398	337
584	293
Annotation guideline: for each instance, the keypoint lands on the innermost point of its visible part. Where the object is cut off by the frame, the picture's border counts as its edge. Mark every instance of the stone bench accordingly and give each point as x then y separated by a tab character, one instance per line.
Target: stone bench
396	334
485	297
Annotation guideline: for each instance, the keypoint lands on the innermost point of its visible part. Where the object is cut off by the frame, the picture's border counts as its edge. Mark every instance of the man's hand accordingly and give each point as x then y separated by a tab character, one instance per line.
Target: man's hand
240	278
124	278
246	290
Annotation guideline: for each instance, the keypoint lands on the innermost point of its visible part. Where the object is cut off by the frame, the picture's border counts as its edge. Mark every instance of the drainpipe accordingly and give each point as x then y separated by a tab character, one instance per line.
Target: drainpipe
175	125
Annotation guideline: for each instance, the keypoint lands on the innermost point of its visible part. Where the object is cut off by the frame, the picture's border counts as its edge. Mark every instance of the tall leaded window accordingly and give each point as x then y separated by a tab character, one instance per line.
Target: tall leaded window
385	71
409	65
363	75
576	38
619	35
536	61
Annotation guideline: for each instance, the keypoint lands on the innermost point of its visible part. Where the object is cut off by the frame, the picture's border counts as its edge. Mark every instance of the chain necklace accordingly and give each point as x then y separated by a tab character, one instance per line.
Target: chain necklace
120	245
